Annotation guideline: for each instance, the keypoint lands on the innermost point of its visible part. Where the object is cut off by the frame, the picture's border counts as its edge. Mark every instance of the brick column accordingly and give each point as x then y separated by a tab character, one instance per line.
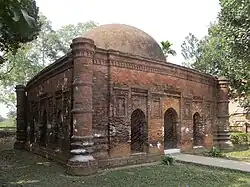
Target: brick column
81	161
21	134
222	134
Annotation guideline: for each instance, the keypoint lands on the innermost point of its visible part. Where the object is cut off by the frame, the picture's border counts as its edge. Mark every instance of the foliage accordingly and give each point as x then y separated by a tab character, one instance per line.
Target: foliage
189	49
234	20
240	138
168	160
18	22
11	114
1	118
8	123
225	51
240	152
34	56
51	44
215	152
166	48
208	55
68	32
18	69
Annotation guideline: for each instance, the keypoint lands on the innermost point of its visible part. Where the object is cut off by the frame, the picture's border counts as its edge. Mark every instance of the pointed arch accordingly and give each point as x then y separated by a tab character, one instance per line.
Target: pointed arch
138	128
170	129
58	127
43	136
198	129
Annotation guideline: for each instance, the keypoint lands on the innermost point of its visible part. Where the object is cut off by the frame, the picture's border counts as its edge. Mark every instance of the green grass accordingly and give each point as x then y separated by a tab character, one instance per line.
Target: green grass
241	153
8	123
20	168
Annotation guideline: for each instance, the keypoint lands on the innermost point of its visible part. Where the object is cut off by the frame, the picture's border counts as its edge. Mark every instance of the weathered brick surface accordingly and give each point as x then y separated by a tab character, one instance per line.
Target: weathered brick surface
50	92
176	90
100	107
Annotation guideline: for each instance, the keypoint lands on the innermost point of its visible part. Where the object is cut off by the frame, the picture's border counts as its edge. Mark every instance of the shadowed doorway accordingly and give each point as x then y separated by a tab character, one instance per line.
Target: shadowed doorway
43	130
138	121
170	132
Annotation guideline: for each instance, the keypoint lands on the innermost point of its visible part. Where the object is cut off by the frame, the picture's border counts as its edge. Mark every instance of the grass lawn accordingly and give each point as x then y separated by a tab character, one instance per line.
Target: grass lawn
20	168
239	153
8	123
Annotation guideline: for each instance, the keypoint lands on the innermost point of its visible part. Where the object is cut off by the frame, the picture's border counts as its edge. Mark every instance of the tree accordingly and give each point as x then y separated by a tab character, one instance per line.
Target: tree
189	49
35	55
207	55
51	45
234	21
1	118
225	51
11	114
18	69
166	48
69	32
18	22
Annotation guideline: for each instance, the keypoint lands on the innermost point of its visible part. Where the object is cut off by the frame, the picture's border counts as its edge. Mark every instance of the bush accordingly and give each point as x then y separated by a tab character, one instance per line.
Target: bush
168	160
240	138
215	152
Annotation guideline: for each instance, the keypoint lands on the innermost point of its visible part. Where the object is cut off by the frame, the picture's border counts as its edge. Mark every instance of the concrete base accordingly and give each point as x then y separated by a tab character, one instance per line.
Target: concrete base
198	147
134	159
226	145
82	168
94	166
171	151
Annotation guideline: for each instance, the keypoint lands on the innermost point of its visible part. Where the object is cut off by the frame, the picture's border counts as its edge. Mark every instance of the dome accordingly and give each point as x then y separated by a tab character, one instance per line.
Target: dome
126	39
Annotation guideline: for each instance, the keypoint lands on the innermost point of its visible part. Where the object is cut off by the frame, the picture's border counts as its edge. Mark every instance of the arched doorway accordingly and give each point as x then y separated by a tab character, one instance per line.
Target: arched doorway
198	135
32	130
170	131
138	124
43	130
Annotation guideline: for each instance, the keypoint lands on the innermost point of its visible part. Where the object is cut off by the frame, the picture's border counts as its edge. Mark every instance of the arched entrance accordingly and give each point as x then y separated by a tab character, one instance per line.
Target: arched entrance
32	130
138	123
43	130
170	131
198	135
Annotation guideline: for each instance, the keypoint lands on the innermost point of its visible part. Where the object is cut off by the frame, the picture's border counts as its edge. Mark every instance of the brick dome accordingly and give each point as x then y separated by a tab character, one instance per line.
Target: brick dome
126	39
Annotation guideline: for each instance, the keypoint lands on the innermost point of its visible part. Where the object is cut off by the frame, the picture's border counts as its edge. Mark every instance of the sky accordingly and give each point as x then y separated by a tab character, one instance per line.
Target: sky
169	20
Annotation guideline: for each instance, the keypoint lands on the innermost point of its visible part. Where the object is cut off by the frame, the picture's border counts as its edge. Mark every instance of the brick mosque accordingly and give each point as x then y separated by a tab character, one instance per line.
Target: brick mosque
114	100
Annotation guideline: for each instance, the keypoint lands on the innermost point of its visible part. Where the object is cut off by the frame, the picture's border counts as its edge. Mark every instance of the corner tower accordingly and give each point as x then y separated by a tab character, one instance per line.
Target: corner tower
81	161
222	137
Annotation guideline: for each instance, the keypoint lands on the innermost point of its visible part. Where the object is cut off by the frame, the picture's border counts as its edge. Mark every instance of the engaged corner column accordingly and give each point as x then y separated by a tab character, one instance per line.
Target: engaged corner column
21	134
223	133
81	161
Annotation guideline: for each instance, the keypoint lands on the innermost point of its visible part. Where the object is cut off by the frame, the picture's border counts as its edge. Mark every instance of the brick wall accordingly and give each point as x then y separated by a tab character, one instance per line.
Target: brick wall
185	92
49	96
100	107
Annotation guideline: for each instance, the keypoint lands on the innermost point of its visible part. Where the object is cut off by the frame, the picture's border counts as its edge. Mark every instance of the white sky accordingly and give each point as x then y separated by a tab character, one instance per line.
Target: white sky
162	19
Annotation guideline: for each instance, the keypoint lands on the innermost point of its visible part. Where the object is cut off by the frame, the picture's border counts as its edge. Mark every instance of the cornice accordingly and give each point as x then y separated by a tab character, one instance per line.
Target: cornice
123	60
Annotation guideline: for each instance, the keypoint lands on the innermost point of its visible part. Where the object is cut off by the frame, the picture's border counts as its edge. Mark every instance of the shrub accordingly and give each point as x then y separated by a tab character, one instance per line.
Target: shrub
240	138
215	152
168	160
